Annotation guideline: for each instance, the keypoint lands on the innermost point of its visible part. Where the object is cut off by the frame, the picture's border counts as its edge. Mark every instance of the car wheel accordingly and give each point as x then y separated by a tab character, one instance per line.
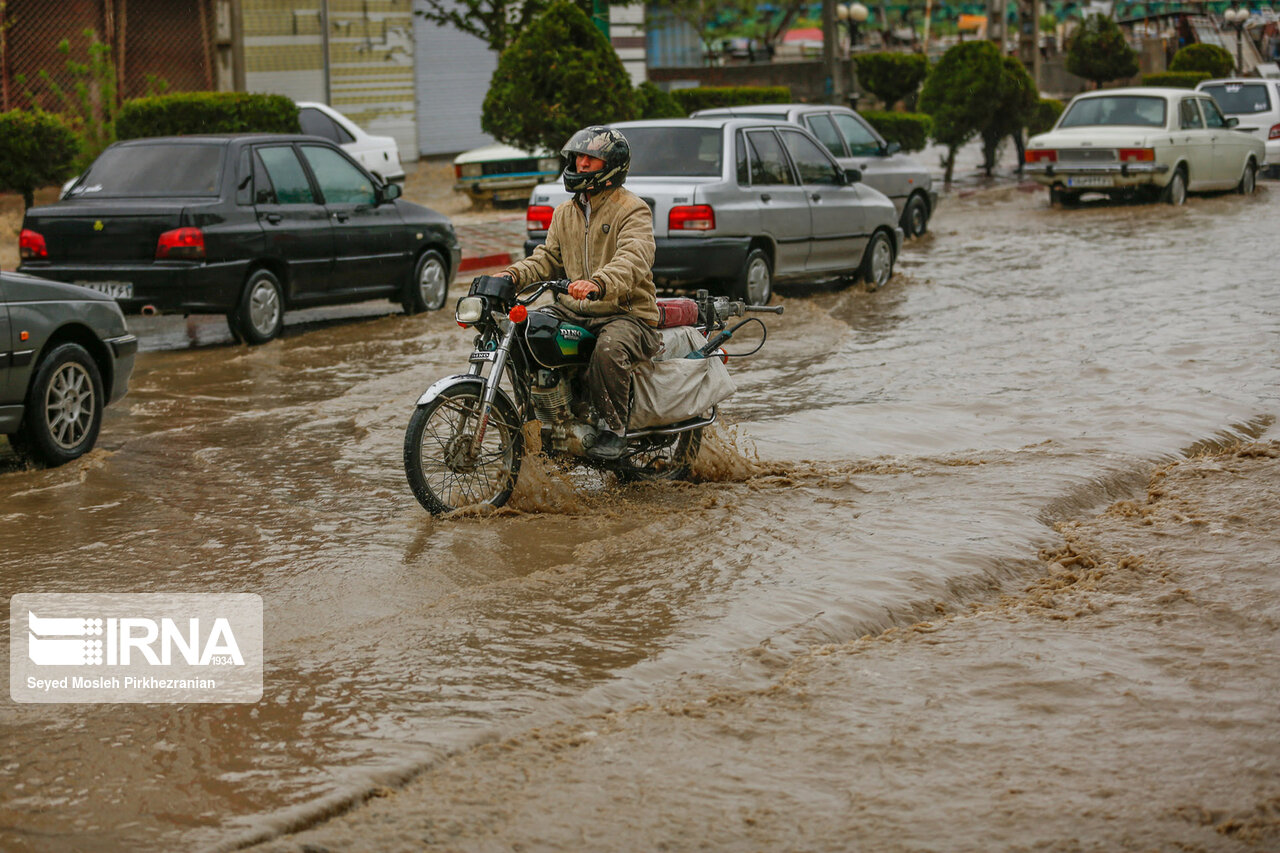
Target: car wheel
877	262
63	408
429	287
1249	180
755	284
915	217
1175	192
259	317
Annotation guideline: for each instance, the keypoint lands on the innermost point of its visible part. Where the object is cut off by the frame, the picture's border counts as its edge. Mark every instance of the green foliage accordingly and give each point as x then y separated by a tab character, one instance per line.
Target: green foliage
891	77
655	103
1175	79
495	22
36	148
1098	51
910	130
1044	116
1211	58
1048	23
559	76
710	97
961	93
207	112
1015	107
91	104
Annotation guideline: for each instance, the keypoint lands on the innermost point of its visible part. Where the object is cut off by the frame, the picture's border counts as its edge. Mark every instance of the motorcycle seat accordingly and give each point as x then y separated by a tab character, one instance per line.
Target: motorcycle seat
677	311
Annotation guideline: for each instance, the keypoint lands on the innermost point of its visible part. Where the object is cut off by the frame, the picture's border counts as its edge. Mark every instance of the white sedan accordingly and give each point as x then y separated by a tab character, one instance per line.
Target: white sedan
1143	141
378	154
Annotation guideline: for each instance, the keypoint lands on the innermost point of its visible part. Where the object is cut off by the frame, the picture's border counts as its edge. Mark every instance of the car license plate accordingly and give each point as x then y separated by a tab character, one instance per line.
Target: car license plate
114	289
1089	181
483	355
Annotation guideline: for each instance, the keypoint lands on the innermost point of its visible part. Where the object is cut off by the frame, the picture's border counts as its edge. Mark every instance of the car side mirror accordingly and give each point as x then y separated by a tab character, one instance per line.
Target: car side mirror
892	148
389	192
852	176
1232	121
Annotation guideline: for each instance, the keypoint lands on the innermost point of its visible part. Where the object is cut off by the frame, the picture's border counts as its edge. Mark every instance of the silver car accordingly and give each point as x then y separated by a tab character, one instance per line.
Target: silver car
65	353
856	145
741	203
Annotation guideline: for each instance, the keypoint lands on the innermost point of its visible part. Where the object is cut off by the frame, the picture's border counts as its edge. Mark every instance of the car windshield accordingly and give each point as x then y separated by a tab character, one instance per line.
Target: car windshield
163	169
674	152
1240	98
1123	110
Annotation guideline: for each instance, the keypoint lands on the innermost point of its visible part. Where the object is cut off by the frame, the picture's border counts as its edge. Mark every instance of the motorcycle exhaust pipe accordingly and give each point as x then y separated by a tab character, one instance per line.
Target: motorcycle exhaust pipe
149	311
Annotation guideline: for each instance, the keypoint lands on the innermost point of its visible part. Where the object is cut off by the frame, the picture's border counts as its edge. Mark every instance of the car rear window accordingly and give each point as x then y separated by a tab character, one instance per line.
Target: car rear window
1125	110
675	152
1240	98
153	171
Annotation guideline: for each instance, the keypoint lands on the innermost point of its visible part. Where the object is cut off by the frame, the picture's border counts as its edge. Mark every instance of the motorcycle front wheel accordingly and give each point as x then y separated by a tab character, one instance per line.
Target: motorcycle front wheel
444	470
669	459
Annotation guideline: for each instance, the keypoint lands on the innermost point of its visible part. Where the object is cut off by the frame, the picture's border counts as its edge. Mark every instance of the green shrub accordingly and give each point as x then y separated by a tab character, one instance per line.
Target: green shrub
1044	115
910	130
559	76
710	97
1175	79
1210	58
1013	111
961	93
655	103
36	149
1098	51
891	77
206	112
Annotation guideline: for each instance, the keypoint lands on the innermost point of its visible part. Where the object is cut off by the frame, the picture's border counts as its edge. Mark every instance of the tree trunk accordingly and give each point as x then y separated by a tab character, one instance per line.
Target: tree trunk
28	198
950	165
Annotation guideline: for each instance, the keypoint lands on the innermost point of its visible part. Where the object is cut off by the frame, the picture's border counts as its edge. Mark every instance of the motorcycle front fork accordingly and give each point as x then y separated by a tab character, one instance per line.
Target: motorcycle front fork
491	385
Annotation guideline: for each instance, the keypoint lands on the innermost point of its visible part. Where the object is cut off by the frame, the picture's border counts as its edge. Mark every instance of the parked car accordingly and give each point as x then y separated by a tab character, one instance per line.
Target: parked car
495	173
1256	103
741	203
246	226
856	145
65	354
1143	141
379	154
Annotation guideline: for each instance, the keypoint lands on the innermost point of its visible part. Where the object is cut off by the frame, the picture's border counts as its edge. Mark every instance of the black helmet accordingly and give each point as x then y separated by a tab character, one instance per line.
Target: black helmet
606	144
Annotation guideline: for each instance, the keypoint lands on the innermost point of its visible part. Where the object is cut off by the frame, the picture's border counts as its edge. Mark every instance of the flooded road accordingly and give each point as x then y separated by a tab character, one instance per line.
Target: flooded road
893	455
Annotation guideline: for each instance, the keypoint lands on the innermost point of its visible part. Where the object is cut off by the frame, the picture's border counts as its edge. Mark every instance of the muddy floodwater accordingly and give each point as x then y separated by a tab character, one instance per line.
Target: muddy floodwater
890	457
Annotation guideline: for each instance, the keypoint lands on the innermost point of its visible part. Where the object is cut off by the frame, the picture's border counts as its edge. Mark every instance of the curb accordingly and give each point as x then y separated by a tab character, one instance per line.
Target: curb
501	259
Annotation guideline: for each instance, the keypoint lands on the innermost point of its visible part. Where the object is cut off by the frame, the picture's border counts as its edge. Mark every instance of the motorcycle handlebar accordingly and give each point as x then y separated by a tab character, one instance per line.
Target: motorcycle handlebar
562	286
765	309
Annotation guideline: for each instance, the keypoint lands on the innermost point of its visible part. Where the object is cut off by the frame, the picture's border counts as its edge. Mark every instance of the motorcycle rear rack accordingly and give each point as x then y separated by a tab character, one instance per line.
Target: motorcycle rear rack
683	426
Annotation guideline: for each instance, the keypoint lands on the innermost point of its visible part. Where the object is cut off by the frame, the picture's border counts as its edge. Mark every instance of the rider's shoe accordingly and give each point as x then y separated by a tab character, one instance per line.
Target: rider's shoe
608	445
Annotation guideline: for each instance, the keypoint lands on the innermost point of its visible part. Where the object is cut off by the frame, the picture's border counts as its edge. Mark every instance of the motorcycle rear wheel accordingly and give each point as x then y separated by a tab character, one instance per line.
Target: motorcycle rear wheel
670	461
437	460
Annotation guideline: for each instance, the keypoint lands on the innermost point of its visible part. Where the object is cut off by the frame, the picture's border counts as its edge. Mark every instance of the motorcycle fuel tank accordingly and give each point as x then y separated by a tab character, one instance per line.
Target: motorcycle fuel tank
557	343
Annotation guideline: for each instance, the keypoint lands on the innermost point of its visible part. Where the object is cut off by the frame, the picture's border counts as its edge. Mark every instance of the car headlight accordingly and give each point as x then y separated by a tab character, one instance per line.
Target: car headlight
472	170
470	309
549	164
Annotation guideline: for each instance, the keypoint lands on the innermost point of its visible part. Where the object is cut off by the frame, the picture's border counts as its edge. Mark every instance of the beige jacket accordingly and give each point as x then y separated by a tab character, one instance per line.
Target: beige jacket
611	245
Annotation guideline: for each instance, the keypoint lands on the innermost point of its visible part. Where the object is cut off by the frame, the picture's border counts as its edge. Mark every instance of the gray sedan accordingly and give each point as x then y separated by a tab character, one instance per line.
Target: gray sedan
738	203
65	353
856	145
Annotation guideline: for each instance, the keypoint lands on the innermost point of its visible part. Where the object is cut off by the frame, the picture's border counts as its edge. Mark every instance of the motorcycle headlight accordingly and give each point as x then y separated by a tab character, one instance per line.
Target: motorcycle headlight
470	309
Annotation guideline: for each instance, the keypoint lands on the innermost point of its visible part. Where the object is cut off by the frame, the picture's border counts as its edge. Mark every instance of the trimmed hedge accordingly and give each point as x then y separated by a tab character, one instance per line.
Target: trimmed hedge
891	77
206	112
910	130
655	103
1175	79
36	148
1210	58
1044	116
710	97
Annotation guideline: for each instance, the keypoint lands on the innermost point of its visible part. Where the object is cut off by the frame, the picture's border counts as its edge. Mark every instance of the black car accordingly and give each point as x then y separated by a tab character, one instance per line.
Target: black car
65	353
247	226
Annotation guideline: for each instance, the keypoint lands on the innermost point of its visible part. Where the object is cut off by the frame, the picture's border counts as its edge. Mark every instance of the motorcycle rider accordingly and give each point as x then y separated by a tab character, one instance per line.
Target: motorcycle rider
602	240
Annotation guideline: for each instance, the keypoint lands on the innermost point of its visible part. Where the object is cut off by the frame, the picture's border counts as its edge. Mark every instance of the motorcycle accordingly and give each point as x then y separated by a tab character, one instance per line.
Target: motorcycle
466	437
